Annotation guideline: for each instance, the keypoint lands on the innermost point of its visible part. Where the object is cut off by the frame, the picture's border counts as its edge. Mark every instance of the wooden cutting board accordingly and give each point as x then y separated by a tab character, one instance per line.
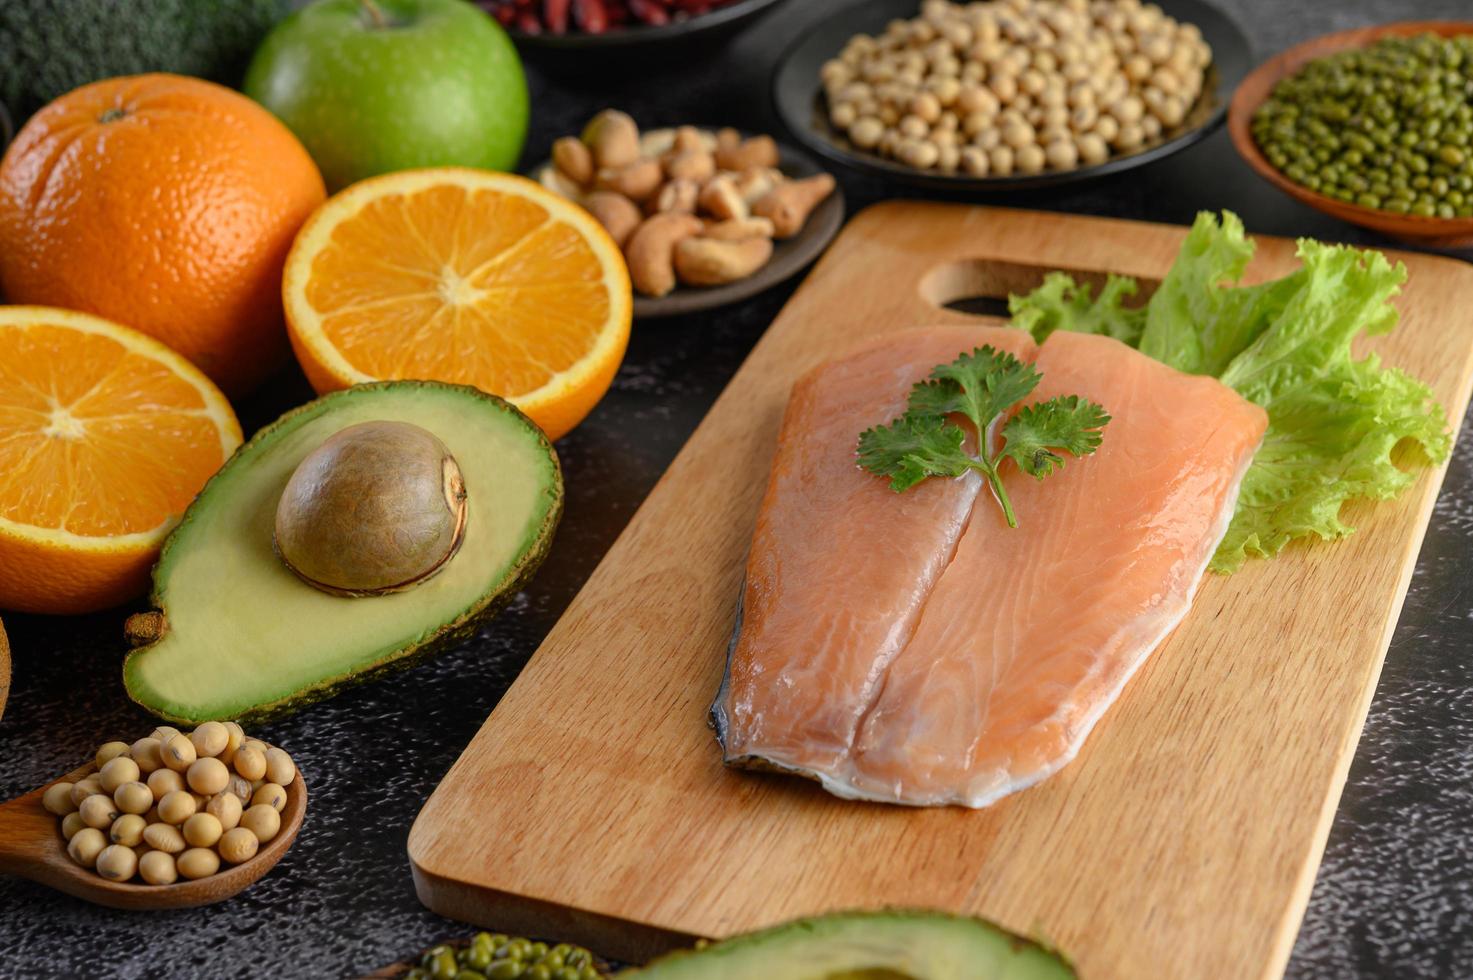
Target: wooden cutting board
1182	842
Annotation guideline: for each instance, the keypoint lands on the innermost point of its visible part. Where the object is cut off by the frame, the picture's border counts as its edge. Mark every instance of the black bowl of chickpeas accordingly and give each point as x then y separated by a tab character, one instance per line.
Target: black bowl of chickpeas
1009	94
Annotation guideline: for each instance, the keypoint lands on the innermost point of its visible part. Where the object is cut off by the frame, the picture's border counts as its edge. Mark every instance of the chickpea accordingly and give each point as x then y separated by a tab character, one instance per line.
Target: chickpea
85	788
1005	87
227	808
989	139
157	868
163	837
177	807
209	776
914	127
99	811
108	752
203	830
145	752
1138	68
1107	127
273	795
843	115
117	772
1128	110
133	797
197	862
948	156
948	123
1045	62
1150	127
1000	159
263	821
1032	81
85	845
889	115
128	829
58	799
71	823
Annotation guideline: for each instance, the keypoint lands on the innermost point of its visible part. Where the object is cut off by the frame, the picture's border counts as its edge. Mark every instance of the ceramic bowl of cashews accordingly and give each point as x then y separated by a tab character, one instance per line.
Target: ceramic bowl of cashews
689	207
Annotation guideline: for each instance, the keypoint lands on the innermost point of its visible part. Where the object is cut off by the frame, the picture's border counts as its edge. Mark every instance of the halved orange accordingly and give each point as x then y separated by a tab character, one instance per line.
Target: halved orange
468	276
106	435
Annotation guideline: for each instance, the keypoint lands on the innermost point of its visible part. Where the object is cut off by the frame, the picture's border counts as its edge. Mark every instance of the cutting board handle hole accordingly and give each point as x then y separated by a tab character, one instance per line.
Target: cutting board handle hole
980	287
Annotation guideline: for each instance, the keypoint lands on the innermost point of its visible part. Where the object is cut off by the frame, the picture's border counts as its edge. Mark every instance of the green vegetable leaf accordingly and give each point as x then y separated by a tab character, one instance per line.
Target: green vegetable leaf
1062	304
1068	423
912	448
980	385
1337	426
1335	423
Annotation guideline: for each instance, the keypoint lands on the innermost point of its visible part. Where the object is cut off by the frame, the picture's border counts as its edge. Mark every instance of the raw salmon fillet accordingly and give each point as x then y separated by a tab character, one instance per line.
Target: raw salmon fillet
839	565
930	658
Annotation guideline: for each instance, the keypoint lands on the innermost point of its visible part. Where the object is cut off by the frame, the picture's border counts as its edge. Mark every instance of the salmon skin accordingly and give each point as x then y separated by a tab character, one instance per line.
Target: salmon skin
912	648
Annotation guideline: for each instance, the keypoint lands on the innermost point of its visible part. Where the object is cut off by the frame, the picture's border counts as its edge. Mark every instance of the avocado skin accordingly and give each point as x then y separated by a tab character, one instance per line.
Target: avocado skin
772	952
49	47
449	635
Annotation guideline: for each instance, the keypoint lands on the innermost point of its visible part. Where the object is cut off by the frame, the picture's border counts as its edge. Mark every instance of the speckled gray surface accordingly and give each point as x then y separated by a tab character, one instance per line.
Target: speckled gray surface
1394	897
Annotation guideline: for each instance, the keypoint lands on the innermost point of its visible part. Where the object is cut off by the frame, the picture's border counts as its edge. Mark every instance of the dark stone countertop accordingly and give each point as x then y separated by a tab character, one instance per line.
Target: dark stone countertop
1393	897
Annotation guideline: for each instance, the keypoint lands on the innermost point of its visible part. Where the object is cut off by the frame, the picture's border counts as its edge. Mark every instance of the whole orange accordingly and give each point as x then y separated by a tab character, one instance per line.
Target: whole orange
165	203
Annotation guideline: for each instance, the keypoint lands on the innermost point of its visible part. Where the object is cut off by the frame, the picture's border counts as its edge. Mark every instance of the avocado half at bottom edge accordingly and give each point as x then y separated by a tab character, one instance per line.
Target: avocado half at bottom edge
885	945
237	635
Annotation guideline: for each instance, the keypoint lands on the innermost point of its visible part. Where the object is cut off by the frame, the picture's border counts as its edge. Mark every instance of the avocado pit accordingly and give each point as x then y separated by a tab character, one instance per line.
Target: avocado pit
379	507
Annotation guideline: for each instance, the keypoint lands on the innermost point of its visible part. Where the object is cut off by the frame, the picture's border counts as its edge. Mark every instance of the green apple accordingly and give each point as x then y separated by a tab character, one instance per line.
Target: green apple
371	86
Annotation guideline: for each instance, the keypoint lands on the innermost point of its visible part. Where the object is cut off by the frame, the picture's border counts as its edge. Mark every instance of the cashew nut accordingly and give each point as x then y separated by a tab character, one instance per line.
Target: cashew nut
613	138
789	204
721	199
712	262
651	250
696	165
638	181
754	182
759	151
574	160
619	215
678	195
554	180
737	229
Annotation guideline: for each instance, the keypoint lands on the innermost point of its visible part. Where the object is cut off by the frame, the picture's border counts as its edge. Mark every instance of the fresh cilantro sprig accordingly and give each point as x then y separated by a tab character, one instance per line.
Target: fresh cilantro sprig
981	386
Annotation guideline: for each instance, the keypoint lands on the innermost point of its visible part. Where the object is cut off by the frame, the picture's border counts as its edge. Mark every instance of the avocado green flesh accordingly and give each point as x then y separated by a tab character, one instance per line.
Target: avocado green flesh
867	946
244	633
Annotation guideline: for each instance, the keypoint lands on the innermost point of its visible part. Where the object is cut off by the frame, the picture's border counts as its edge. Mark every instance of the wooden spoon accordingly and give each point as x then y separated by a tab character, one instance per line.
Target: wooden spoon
4	668
31	846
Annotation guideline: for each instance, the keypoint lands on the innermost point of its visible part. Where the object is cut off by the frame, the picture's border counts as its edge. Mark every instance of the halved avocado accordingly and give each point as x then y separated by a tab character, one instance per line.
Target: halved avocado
888	945
238	635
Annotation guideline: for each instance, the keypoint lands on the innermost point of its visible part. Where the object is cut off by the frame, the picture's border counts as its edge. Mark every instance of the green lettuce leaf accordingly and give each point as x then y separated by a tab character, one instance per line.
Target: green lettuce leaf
1062	304
1334	422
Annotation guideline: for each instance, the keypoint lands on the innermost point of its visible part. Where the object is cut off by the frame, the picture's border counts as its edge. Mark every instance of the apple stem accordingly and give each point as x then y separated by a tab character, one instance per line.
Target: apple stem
375	14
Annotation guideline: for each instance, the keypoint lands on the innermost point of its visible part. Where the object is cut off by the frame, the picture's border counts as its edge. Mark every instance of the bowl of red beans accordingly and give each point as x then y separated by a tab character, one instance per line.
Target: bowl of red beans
587	25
